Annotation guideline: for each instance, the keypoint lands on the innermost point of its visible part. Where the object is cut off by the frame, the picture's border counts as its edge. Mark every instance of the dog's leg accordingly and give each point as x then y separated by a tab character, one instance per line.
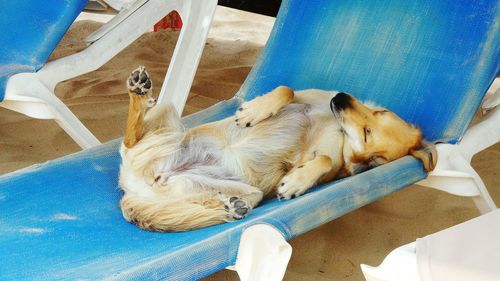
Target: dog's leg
263	107
321	159
162	117
139	87
304	176
196	206
238	198
141	120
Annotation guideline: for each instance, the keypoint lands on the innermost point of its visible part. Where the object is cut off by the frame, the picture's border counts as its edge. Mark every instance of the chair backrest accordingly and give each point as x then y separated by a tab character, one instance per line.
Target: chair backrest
31	29
429	61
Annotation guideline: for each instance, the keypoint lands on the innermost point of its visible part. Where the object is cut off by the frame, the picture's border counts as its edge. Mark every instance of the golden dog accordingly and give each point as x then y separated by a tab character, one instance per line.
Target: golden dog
282	143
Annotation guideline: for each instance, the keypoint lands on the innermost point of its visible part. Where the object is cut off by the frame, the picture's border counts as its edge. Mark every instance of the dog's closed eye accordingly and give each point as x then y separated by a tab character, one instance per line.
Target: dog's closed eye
367	132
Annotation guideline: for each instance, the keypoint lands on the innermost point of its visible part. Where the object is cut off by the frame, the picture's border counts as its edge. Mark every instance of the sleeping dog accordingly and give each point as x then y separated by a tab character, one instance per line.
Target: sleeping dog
279	144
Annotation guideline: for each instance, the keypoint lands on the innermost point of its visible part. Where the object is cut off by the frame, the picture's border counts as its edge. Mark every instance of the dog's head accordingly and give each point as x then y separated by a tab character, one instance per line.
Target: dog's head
374	136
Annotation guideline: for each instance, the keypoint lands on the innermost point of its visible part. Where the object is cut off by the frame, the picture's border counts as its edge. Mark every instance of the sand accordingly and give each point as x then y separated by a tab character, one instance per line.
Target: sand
331	252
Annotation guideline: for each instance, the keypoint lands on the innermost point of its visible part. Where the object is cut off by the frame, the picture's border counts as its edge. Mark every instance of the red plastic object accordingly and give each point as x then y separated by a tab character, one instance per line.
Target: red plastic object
172	20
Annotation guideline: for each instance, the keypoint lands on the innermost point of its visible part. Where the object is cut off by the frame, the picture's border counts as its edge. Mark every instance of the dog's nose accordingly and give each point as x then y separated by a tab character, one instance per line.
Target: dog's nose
340	101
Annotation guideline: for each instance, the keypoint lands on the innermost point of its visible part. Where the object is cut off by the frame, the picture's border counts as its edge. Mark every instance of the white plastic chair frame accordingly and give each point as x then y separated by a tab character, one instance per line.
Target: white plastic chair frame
400	264
263	254
455	175
33	93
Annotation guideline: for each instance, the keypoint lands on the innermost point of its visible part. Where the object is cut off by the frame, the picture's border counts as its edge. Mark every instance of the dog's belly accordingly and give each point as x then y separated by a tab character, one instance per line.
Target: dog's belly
261	155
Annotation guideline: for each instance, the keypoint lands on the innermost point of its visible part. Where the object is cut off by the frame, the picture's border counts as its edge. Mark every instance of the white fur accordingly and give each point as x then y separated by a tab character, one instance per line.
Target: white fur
355	139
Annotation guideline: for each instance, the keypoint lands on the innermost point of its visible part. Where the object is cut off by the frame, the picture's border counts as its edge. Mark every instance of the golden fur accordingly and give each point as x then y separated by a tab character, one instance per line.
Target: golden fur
280	144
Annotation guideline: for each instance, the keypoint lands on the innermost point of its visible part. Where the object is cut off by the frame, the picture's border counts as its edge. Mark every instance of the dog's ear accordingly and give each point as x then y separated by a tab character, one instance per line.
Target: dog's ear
426	153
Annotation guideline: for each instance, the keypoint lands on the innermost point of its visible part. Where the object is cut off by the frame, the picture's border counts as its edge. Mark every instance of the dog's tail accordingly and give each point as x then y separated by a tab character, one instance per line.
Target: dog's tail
163	214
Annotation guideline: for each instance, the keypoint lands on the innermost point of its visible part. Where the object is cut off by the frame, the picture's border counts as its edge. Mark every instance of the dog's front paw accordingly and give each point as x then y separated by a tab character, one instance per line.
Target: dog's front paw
236	207
252	112
303	177
295	183
139	81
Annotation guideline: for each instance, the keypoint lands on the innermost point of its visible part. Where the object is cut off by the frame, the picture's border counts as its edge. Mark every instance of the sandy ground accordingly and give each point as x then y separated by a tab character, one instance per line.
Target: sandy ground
331	252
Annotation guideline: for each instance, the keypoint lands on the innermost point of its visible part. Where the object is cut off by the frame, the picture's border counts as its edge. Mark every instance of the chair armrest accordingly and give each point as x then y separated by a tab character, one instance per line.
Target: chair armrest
482	135
105	28
486	132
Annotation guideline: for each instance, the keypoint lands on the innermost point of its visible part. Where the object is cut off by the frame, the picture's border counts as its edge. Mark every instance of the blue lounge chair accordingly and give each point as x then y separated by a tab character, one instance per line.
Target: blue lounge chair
431	62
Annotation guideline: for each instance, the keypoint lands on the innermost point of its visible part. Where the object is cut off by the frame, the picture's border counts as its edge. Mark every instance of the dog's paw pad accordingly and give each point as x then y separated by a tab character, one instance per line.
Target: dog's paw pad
236	207
139	81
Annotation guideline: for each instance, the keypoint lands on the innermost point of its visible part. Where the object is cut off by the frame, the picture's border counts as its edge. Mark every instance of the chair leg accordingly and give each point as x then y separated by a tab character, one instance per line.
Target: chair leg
484	203
197	17
27	95
72	125
483	200
263	254
400	264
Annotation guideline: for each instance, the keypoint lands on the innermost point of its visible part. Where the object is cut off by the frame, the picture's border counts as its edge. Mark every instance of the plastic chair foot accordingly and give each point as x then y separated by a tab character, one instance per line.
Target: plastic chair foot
263	254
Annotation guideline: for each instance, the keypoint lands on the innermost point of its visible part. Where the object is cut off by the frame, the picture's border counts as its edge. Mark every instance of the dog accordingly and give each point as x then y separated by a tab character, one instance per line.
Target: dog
279	144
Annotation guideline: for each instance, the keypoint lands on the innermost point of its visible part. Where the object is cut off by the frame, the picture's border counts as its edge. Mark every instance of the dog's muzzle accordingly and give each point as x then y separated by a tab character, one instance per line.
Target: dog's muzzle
340	102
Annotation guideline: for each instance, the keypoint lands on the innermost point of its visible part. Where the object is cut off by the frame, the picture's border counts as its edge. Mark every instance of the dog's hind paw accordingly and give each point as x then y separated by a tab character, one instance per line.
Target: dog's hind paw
139	81
236	207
